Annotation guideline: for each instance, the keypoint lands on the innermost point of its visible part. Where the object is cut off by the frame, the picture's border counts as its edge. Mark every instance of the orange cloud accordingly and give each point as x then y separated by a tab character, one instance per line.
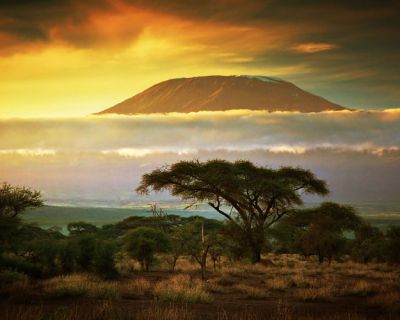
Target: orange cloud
313	47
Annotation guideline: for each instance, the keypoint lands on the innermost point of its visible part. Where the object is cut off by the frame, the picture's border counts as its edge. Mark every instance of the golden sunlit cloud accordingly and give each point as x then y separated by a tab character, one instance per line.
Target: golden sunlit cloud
313	47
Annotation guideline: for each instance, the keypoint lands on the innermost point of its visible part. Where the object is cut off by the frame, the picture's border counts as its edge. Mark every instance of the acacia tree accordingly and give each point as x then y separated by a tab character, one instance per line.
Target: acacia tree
252	197
15	200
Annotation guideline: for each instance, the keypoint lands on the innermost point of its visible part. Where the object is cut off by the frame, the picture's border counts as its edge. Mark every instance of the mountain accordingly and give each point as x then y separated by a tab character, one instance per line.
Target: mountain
220	93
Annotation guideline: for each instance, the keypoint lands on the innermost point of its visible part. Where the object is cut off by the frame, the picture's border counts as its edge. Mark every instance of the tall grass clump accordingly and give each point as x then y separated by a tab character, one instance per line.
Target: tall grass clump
135	288
80	285
182	288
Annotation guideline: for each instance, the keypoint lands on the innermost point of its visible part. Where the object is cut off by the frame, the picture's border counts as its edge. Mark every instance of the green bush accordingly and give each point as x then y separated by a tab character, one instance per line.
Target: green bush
143	243
21	265
11	278
104	259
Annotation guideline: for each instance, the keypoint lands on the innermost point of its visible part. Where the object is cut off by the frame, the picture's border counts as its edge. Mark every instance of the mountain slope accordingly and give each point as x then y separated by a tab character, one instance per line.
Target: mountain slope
220	93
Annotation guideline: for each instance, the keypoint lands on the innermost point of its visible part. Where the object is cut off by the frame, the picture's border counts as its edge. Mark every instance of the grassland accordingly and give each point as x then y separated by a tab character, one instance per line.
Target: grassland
281	287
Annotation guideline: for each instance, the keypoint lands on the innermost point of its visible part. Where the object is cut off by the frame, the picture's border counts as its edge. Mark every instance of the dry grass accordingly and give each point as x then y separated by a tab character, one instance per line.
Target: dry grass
302	281
182	288
279	284
359	288
287	277
135	288
170	312
388	301
109	310
80	285
315	294
104	310
251	292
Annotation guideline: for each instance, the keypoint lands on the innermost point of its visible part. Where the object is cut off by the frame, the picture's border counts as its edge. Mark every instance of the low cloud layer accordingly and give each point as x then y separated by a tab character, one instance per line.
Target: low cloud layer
234	130
357	152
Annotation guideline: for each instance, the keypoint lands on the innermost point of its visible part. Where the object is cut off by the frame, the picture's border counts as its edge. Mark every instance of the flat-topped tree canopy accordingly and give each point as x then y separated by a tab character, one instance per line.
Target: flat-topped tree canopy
257	196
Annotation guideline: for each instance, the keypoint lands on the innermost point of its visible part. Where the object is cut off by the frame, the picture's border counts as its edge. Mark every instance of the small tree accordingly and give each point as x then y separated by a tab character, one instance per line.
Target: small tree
143	243
324	235
197	243
15	200
216	250
177	248
254	198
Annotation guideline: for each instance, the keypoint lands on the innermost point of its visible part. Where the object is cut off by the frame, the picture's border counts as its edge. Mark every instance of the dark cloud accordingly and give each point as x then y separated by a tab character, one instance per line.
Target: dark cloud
360	69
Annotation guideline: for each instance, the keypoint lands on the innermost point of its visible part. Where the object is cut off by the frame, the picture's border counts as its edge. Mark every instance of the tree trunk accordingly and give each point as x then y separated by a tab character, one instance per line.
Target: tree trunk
320	258
256	257
174	264
204	263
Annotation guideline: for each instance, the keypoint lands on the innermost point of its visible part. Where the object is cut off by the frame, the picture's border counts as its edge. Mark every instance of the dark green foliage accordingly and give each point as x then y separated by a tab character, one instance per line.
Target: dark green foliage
108	231
68	254
393	245
19	264
80	227
143	243
15	200
252	197
368	244
317	231
44	253
103	263
10	278
87	246
235	242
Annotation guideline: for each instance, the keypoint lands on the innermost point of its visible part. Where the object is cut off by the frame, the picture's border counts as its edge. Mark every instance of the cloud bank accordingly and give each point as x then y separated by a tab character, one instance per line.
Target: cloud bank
357	152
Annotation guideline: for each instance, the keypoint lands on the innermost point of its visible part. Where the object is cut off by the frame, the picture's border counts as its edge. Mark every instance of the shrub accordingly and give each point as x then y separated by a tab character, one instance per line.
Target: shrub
86	252
103	262
19	264
69	250
11	280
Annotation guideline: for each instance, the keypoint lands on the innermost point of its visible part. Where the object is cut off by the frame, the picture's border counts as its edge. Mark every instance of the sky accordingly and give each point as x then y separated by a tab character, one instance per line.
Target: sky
70	58
62	60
